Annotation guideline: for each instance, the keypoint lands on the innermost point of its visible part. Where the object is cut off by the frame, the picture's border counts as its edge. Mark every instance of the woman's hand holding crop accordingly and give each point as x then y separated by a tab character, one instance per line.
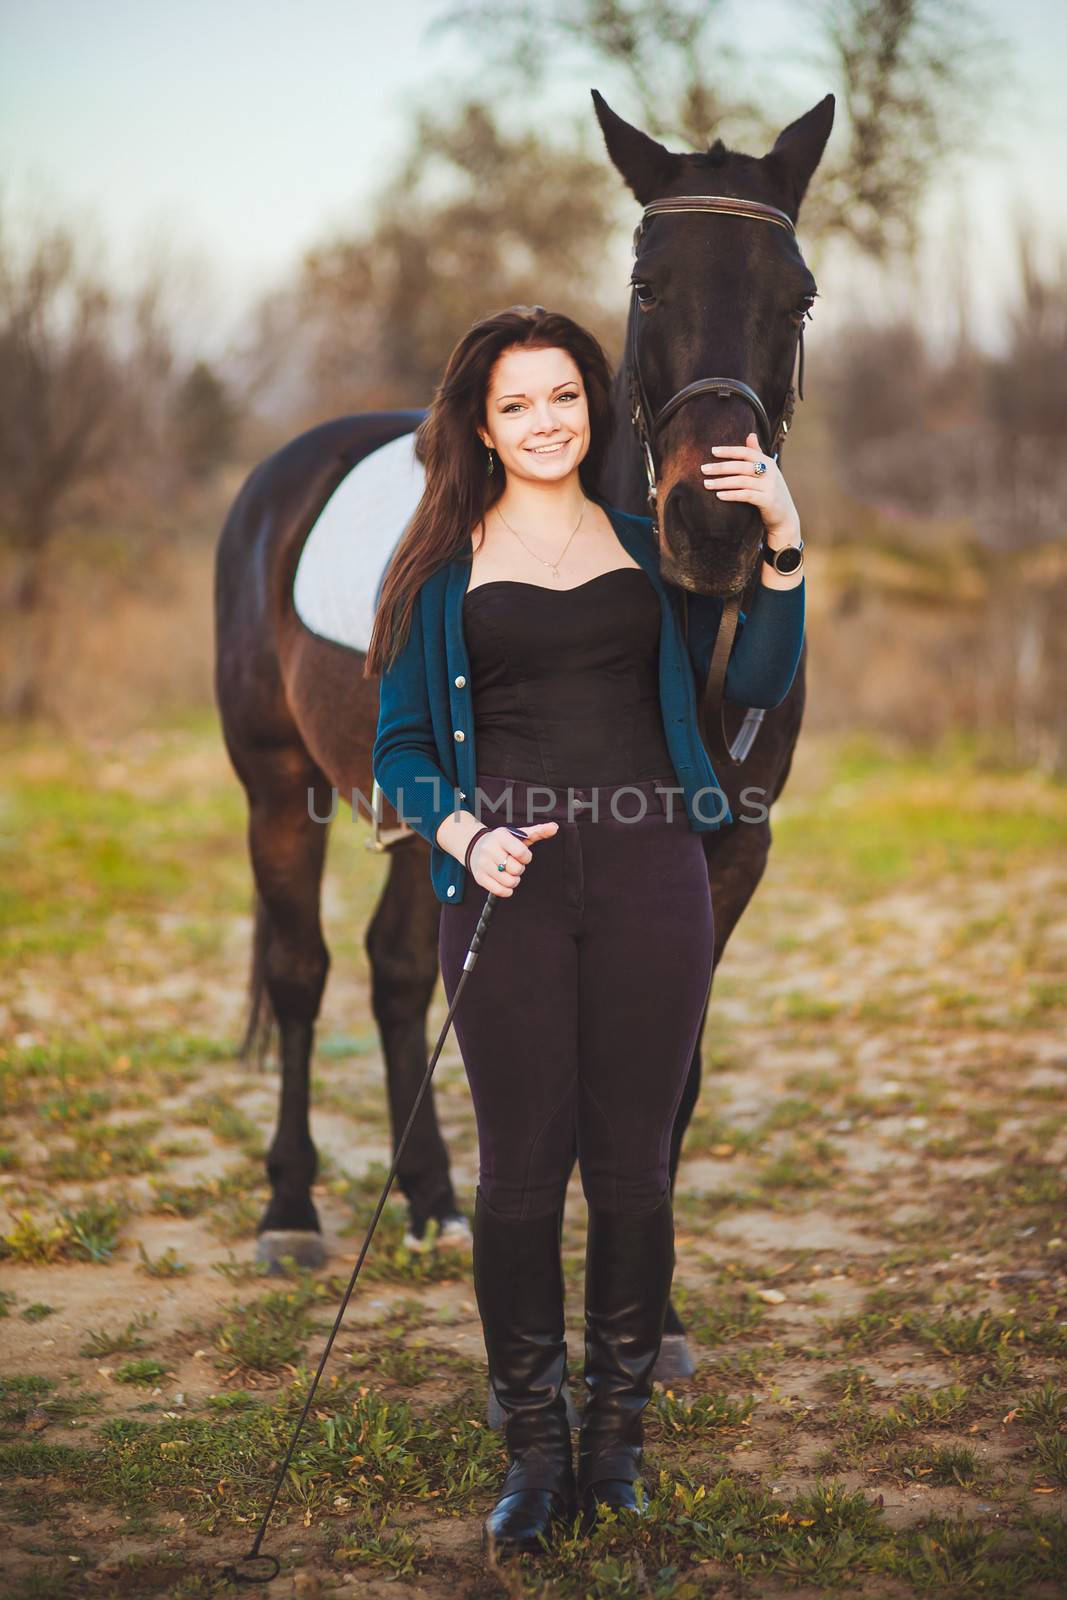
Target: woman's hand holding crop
500	844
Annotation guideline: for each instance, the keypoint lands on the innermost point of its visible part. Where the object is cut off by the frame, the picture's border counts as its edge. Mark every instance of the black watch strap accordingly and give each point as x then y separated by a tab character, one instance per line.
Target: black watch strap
786	560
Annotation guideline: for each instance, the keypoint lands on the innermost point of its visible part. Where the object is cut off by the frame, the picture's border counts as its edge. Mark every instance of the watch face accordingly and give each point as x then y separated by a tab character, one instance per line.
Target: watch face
788	560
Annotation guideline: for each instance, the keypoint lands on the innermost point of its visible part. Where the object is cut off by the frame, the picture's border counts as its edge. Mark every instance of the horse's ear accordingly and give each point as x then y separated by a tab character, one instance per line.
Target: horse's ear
798	150
647	166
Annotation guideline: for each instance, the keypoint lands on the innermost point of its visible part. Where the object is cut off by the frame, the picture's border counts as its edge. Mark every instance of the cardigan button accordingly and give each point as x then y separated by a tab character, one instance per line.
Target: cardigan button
459	736
461	682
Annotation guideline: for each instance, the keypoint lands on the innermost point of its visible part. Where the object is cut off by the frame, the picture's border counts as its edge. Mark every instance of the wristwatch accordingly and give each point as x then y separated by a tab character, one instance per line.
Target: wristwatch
789	558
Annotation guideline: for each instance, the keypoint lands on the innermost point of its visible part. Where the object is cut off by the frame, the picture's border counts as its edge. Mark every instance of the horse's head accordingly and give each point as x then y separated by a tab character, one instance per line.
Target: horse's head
716	295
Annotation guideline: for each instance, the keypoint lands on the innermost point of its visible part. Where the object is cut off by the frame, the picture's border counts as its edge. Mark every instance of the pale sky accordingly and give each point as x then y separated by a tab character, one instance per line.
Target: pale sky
240	130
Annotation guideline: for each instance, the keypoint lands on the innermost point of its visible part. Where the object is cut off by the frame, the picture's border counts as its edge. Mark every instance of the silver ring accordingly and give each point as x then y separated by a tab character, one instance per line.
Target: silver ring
760	468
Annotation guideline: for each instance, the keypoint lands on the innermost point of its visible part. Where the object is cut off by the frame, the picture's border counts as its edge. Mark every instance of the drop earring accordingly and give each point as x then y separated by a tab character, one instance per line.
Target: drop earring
489	472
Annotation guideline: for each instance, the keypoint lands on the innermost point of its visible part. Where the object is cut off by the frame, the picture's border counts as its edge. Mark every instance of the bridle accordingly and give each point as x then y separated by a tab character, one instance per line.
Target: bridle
648	424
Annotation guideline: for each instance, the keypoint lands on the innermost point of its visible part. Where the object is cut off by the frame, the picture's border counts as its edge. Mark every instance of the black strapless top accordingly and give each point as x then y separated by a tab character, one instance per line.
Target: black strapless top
565	682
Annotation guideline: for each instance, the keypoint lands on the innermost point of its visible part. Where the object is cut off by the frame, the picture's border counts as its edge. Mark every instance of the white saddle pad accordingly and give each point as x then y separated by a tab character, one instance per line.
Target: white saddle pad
348	549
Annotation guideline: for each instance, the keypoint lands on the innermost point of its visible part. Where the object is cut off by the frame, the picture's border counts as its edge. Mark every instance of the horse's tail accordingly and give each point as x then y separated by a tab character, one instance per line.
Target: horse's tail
260	1023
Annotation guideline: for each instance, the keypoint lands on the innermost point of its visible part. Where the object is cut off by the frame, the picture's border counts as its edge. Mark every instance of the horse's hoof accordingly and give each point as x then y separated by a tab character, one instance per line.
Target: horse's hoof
303	1244
494	1411
674	1363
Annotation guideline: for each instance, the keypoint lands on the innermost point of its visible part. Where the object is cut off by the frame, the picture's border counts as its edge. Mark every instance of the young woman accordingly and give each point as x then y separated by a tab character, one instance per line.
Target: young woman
540	677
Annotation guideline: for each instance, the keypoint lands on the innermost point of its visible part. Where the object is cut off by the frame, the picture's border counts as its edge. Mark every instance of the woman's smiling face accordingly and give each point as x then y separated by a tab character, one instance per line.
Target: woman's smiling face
537	414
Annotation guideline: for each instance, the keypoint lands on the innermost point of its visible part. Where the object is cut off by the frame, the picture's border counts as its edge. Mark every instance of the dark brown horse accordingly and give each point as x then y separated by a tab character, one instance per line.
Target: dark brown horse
716	292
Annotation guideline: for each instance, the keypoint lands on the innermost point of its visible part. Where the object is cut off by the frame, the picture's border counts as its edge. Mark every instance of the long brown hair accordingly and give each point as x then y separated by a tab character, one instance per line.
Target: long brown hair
459	491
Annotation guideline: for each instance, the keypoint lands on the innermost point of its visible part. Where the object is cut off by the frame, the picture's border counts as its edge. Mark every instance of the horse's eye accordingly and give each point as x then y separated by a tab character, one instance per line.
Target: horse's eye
644	291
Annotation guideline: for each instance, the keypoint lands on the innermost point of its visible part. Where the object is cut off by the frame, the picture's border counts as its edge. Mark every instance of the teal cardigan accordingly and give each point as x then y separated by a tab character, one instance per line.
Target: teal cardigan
424	756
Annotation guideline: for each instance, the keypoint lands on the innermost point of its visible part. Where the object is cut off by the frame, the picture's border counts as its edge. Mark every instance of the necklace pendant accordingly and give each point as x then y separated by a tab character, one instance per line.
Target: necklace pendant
555	572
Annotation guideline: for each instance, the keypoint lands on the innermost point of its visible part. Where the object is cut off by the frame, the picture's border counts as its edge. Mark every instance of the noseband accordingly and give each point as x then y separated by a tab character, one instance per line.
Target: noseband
648	424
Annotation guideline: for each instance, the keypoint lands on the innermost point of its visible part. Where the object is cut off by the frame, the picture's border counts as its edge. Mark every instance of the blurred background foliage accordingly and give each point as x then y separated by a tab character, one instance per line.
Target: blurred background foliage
928	476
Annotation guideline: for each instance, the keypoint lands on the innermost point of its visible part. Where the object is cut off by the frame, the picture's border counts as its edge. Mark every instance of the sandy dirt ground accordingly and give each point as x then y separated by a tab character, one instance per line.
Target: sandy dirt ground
871	1226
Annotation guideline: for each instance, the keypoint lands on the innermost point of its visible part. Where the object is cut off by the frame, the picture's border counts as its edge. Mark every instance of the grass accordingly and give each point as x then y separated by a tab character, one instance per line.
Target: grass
100	1342
907	1031
268	1334
880	822
90	1233
86	848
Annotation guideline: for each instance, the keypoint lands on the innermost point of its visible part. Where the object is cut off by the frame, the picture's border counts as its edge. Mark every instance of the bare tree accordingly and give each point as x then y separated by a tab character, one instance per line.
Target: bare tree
912	78
60	387
916	78
473	220
87	410
660	51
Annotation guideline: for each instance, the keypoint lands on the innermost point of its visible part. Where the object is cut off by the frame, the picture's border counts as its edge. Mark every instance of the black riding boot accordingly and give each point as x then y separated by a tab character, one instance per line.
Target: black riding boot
518	1281
629	1262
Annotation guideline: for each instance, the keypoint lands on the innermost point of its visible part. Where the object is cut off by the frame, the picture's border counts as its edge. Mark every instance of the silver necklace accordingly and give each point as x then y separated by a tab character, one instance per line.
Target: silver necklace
552	565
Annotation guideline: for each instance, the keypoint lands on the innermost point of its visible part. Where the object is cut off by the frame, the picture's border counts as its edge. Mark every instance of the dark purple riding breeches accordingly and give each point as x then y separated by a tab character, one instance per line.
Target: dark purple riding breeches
584	1005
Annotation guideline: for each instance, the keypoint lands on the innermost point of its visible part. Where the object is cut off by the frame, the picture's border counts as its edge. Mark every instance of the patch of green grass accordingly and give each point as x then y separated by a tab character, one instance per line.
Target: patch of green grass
1025	1182
31	1240
707	1414
374	1543
1045	1000
1046	1407
144	1370
267	1334
951	1464
166	1265
806	1164
956	1558
59	1072
235	1271
193	1199
100	1150
1051	1451
90	1233
796	1005
848	1382
218	1467
885	1319
917	1408
20	1393
388	1260
884	818
986	1332
35	1459
729	1315
95	1228
38	1311
75	1105
85	852
237	1217
225	1121
101	1343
